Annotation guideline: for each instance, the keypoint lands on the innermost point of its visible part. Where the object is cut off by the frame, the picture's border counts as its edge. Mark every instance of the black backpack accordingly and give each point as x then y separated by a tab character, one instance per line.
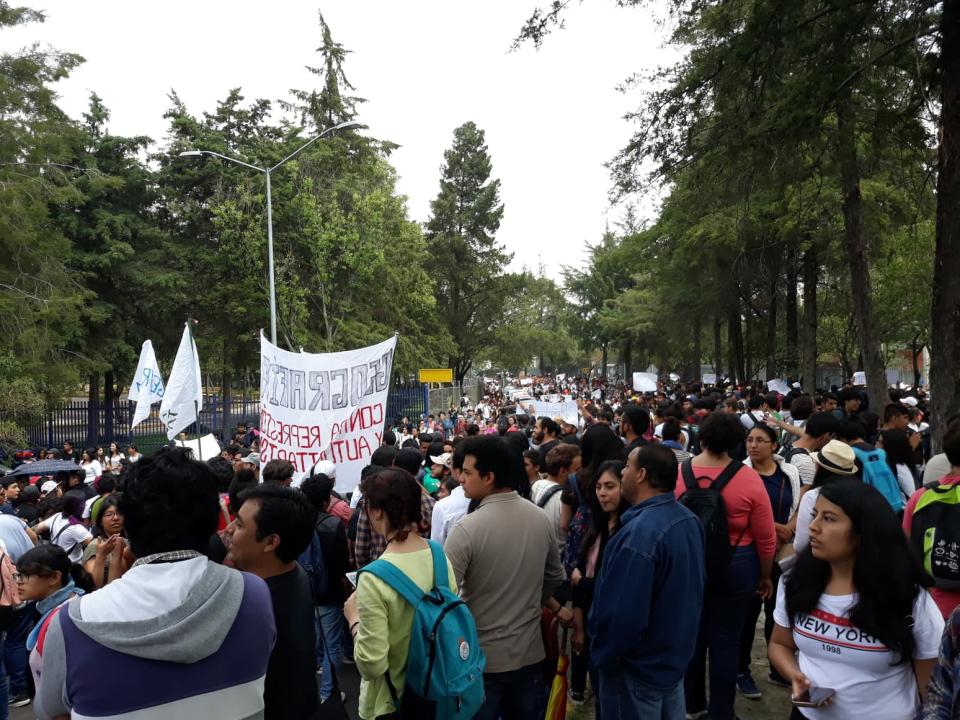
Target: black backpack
547	494
707	504
789	451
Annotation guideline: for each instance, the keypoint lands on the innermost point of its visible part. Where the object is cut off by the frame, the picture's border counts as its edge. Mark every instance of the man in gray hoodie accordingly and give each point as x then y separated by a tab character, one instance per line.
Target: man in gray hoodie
183	636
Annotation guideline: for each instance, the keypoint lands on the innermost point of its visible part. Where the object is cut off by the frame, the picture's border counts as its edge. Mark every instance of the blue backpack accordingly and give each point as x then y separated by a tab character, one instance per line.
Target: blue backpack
877	473
445	663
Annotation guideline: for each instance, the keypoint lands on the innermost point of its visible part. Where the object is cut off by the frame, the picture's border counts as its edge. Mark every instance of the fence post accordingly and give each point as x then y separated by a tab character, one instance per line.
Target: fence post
425	388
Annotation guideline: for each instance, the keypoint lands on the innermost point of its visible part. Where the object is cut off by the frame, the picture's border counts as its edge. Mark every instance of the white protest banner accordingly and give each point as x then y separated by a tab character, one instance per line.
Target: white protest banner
206	447
147	385
860	378
183	397
710	379
644	382
566	409
324	406
778	386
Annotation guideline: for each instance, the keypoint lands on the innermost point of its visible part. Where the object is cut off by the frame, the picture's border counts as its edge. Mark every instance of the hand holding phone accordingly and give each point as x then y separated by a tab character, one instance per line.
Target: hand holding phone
814	697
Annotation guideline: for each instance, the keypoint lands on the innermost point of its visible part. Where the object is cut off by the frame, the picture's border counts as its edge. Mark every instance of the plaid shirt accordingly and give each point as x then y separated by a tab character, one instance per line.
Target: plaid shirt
370	545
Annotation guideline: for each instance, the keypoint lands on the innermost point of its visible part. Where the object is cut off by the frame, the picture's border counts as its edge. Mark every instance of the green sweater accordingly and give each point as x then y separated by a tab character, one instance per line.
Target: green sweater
386	622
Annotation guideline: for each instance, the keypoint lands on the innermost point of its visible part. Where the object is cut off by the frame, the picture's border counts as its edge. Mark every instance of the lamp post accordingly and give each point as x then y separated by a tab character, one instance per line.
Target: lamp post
267	172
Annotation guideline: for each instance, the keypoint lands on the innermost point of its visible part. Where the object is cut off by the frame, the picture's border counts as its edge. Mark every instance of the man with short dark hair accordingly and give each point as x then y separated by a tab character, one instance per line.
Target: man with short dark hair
279	471
649	594
218	647
507	565
272	528
546	437
634	423
69	453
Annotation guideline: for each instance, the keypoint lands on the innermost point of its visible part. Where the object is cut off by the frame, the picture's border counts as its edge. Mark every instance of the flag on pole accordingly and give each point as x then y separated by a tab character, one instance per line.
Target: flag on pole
147	385
183	397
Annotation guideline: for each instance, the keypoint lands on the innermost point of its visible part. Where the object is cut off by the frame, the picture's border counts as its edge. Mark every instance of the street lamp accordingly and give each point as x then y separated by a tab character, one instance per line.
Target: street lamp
267	171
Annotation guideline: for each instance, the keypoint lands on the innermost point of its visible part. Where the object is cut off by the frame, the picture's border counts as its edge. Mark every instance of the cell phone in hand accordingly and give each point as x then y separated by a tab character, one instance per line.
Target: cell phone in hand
814	697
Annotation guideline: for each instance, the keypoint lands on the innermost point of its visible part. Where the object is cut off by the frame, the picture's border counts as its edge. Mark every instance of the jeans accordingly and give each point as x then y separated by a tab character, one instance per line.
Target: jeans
721	622
15	655
511	695
622	696
750	623
329	624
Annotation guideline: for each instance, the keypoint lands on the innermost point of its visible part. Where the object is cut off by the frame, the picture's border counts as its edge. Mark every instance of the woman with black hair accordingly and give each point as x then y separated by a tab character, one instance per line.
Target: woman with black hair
104	558
598	445
854	615
47	579
900	458
835	461
607	504
730	590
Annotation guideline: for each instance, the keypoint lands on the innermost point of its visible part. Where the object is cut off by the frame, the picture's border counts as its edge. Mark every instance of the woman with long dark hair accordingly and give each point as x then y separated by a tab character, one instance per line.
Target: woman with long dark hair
607	504
104	558
854	615
900	458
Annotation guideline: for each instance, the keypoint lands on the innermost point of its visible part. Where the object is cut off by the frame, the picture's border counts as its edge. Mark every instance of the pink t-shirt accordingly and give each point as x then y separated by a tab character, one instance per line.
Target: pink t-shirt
946	600
749	515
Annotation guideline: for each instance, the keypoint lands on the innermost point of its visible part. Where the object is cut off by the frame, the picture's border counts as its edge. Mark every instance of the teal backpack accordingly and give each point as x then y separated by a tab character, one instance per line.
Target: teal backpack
445	663
877	472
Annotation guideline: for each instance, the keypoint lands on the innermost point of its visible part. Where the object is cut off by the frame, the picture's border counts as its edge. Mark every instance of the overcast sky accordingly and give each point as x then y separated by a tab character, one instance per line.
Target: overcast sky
552	117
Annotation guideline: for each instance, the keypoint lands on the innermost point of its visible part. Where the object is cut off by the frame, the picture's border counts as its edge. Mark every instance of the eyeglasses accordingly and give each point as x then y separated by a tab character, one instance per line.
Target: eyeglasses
758	441
23	577
111	515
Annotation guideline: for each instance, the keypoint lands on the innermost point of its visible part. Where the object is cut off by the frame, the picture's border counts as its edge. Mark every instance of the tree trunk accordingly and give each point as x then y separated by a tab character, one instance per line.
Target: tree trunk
945	325
108	418
603	373
915	351
697	349
808	340
735	336
628	358
717	350
771	339
93	410
227	397
855	246
790	311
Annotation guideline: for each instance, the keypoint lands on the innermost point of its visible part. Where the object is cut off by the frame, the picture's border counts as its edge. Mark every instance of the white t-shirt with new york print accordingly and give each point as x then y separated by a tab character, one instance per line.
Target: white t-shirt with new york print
835	654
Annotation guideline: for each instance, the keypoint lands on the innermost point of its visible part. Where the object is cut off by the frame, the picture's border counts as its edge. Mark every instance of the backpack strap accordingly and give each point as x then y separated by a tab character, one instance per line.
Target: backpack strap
396	579
547	495
727	475
440	577
689	479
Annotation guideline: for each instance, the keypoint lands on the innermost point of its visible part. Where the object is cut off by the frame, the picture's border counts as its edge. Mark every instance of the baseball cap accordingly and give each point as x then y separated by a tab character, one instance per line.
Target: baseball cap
252	458
911	401
445	459
325	467
48	487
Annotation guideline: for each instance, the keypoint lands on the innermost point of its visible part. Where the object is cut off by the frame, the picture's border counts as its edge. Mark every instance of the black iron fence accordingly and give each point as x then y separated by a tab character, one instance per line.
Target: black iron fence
98	424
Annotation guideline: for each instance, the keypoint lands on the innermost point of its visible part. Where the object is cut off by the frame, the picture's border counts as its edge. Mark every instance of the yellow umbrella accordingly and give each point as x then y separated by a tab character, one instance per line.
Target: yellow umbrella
557	704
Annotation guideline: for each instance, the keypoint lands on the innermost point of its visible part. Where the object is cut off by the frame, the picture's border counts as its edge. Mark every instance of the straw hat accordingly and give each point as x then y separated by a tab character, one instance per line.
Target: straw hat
837	457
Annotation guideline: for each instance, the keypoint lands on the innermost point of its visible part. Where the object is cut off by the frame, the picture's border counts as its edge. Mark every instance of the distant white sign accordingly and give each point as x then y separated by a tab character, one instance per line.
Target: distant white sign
645	381
859	378
566	409
710	379
778	386
204	449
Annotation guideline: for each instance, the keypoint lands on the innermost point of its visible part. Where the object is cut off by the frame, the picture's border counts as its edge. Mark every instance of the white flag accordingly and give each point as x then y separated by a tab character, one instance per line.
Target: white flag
183	397
147	386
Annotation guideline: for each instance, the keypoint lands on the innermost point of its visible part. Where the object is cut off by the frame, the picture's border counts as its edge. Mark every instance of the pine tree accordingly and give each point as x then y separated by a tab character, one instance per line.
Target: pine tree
466	262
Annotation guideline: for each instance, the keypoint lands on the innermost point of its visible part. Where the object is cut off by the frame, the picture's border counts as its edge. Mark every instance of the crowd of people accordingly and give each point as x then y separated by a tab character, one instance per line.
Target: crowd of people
658	528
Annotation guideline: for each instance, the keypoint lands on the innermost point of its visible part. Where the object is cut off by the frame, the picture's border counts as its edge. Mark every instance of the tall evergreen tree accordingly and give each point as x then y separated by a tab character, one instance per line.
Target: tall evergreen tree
465	260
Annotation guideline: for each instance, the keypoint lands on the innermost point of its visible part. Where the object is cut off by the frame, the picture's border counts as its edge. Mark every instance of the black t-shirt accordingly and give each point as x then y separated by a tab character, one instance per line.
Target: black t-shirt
290	692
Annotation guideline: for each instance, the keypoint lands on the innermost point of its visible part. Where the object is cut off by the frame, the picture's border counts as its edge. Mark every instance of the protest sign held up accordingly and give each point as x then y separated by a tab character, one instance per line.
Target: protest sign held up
324	406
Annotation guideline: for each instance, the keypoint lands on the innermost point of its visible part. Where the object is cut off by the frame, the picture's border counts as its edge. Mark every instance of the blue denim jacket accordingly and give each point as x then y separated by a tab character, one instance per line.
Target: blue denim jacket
647	600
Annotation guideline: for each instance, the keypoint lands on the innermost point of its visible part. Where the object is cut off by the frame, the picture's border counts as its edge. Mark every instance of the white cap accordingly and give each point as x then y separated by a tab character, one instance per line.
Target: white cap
911	401
325	467
445	459
48	486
